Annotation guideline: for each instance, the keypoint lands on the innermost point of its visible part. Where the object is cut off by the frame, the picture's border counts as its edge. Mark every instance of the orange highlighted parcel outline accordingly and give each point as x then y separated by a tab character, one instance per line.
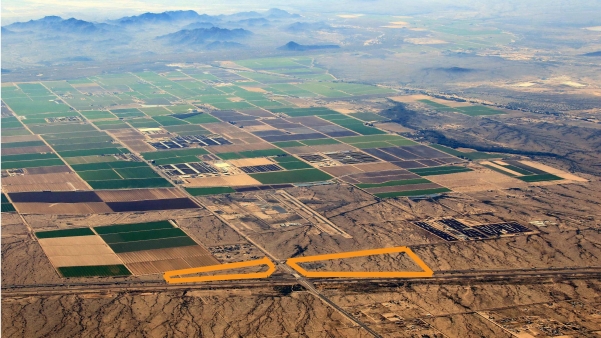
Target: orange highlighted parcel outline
427	272
171	279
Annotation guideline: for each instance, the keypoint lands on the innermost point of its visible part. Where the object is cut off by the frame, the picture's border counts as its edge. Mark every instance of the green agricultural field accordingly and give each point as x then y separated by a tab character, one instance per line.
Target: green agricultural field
479	111
287	144
290	90
168	121
82	146
251	154
354	125
101	165
97	115
64	233
299	112
27	157
89	152
121	228
539	178
437	105
62	128
367	117
130	184
108	125
140	172
90	159
10	122
135	236
439	170
501	171
293	176
412	193
320	142
210	191
15	132
143	123
7	207
99	175
156	155
322	89
476	155
94	271
201	118
359	89
232	105
32	164
291	163
156	111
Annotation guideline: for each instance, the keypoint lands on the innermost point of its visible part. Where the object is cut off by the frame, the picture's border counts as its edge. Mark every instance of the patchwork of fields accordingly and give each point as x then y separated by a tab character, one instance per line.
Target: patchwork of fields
193	126
142	142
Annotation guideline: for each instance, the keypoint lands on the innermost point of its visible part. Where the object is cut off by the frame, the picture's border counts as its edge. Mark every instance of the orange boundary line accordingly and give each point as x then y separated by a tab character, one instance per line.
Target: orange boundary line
169	275
427	272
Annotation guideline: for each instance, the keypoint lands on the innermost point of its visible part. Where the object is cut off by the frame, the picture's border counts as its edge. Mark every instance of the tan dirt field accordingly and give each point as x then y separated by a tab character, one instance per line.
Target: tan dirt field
26	150
58	181
43	187
479	180
262	127
20	138
138	146
139	194
342	170
63	208
254	89
85	260
245	162
236	180
370	167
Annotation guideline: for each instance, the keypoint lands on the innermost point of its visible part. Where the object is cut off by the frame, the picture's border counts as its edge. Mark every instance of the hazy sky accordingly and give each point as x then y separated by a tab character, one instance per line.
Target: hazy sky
99	10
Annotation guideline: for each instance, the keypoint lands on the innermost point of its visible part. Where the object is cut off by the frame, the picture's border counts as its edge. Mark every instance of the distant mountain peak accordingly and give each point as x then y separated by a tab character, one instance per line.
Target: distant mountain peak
203	35
293	46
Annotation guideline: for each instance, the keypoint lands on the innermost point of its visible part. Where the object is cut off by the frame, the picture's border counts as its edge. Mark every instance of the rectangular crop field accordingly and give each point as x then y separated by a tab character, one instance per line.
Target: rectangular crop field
439	170
94	271
293	176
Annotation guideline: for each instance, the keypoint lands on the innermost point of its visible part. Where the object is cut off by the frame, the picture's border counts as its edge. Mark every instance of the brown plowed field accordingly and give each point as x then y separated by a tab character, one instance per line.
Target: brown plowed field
78	251
85	260
26	150
44	187
48	170
380	166
63	208
341	170
138	145
160	254
20	138
50	182
480	180
139	194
